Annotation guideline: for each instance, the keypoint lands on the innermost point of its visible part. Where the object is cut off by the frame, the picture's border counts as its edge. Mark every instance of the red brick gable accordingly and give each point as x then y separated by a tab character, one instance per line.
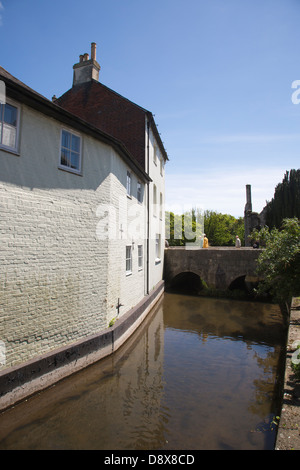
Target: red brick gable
109	112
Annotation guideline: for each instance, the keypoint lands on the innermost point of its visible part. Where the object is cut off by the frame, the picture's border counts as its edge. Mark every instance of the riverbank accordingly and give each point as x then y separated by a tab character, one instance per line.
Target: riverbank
288	437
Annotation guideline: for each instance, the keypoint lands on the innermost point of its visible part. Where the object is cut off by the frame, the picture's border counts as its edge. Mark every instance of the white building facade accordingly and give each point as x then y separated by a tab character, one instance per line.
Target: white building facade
81	237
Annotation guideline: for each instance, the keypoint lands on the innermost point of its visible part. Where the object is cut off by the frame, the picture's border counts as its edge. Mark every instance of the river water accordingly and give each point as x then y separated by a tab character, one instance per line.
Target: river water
200	373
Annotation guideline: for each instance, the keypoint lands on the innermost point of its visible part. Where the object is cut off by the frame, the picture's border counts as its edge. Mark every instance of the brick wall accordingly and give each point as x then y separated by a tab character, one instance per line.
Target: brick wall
59	281
53	272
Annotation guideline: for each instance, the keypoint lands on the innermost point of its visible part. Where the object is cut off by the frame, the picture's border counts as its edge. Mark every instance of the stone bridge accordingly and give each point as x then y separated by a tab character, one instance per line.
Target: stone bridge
219	267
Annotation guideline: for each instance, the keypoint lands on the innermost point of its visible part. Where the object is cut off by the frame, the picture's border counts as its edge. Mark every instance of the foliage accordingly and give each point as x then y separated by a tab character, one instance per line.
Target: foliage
220	229
185	228
286	200
112	322
279	262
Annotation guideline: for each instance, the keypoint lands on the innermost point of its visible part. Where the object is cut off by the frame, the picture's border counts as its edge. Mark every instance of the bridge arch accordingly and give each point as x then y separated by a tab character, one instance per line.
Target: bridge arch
186	282
218	267
244	282
238	283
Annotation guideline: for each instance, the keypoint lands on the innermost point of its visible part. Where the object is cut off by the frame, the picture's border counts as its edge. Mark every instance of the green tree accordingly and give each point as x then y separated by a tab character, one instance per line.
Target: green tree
279	262
183	229
221	229
286	200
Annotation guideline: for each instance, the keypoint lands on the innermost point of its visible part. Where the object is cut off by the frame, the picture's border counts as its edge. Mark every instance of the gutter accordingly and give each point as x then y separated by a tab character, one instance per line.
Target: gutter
148	208
31	98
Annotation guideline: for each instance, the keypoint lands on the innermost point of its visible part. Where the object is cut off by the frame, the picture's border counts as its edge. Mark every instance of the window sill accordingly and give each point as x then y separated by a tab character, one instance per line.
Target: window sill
10	150
70	170
157	260
128	273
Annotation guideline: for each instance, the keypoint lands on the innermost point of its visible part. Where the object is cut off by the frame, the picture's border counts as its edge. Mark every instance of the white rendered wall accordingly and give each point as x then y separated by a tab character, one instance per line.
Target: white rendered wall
59	280
157	212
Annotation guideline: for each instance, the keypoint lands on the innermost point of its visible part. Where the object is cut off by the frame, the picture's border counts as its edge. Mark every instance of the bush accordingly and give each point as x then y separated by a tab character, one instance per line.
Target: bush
279	262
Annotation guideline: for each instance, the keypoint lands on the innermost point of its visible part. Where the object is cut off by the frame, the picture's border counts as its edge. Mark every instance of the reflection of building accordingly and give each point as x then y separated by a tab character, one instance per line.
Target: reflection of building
116	403
81	241
140	399
123	395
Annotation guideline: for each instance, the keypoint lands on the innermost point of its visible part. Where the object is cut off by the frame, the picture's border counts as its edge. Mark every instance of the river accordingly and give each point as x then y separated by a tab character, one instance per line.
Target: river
200	373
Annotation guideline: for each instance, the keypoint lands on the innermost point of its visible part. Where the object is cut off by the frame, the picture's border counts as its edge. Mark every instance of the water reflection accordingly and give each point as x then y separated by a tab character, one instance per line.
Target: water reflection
199	374
222	357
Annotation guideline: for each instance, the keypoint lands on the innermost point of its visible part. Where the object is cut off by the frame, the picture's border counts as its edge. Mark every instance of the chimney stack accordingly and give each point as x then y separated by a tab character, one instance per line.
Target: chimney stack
87	69
247	215
248	198
93	50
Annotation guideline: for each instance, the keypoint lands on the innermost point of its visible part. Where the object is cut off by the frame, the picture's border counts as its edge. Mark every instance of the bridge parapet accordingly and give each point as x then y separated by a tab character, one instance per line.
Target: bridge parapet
217	266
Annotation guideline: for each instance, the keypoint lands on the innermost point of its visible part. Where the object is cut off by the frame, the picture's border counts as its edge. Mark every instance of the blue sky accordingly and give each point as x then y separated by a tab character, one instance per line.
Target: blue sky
217	74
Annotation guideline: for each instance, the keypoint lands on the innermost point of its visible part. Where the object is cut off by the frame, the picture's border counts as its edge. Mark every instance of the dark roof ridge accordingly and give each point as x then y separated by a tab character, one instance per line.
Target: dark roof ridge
4	73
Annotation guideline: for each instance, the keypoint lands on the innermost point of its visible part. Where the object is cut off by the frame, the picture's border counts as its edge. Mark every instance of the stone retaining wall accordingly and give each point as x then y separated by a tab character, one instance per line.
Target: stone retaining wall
288	436
17	383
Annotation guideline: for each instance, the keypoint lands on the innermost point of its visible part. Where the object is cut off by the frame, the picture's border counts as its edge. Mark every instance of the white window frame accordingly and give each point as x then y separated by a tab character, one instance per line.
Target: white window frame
154	200
155	154
128	183
15	148
161	166
128	260
160	206
158	248
139	194
140	257
61	166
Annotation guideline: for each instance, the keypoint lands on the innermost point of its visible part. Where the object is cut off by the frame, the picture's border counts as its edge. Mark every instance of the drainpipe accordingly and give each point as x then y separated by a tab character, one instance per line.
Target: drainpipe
148	206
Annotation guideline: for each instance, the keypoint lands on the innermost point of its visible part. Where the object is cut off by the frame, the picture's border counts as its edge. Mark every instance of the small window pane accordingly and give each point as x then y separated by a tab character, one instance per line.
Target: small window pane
10	115
65	139
9	136
70	150
157	246
65	157
128	183
75	160
75	143
128	259
140	256
139	192
8	126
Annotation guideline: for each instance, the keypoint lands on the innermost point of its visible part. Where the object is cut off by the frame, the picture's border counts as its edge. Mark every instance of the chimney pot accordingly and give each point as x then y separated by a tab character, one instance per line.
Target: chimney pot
86	70
93	50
